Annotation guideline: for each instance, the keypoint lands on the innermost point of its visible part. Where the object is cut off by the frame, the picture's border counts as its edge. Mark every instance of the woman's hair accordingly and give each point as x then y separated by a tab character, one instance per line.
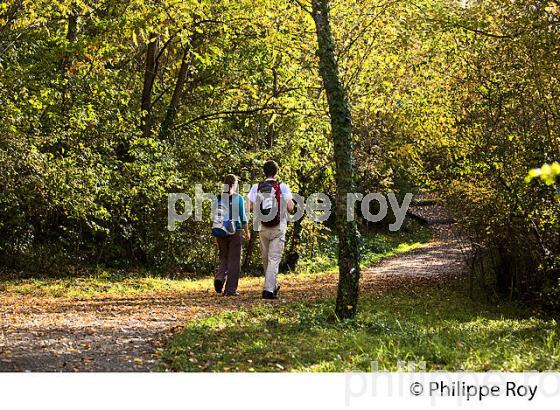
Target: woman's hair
229	181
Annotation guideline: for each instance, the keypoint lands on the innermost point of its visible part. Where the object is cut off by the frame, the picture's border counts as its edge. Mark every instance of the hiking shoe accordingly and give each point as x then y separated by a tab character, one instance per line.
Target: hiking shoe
231	293
218	285
269	295
276	291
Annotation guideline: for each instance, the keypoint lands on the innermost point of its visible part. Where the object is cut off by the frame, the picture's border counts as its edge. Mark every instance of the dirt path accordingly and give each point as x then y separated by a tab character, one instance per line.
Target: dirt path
125	333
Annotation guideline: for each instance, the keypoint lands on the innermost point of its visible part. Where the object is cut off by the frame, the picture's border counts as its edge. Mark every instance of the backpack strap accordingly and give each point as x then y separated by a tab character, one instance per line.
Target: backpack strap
274	182
277	193
230	205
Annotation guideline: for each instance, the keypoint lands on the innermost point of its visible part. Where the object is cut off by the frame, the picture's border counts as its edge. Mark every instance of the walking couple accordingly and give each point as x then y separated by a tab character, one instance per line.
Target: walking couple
269	201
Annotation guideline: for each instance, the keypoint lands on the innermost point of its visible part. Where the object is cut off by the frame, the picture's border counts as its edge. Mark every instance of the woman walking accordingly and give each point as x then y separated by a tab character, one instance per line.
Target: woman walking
229	223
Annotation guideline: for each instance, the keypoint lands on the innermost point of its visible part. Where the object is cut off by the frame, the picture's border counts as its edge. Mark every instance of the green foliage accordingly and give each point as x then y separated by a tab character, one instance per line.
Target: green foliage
82	185
548	173
504	121
457	97
441	326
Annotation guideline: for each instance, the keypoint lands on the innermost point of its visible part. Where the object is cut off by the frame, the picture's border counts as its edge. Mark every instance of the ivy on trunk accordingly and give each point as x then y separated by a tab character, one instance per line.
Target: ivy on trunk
341	129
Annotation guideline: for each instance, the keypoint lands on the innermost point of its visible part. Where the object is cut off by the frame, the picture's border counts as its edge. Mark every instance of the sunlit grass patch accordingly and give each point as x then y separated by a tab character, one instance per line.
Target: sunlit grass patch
109	284
441	326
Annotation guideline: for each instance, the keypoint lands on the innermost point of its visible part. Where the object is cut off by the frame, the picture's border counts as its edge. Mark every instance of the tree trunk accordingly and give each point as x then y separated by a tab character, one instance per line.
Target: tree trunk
71	36
292	255
66	61
291	258
149	78
171	112
341	129
72	33
248	254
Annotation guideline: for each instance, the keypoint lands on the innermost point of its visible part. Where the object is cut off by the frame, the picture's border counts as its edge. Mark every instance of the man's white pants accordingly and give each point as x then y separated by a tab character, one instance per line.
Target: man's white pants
272	240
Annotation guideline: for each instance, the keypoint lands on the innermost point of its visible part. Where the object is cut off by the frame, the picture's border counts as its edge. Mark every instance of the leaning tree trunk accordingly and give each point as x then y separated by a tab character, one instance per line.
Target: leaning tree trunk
175	101
150	73
66	62
341	129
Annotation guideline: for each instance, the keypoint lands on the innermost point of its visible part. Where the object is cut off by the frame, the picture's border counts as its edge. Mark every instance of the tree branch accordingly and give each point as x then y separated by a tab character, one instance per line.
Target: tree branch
224	114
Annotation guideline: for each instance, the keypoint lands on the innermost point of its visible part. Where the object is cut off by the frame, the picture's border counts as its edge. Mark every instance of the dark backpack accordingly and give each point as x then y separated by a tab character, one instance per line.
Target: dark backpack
269	193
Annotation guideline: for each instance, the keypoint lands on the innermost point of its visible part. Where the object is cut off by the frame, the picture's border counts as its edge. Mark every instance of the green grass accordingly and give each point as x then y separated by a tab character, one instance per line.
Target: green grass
105	283
440	326
376	248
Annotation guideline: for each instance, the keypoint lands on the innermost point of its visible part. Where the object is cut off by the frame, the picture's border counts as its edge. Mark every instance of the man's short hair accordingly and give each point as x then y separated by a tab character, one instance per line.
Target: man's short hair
270	168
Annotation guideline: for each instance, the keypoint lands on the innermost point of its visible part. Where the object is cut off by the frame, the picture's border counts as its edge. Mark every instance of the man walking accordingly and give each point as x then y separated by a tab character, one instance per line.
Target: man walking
269	201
